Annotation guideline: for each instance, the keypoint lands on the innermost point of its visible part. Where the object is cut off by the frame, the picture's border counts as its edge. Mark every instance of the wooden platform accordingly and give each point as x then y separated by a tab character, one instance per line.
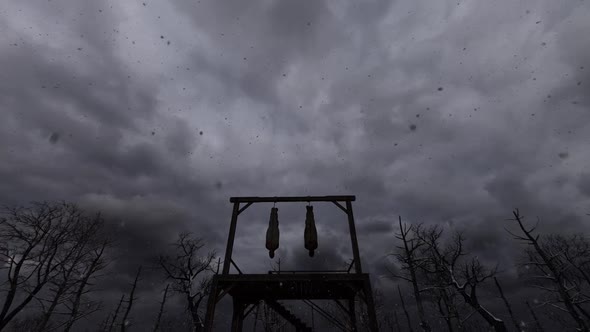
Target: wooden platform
312	286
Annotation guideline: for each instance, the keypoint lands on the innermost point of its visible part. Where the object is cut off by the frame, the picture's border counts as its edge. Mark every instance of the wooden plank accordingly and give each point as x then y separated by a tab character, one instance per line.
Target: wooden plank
277	199
236	266
373	325
353	239
211	303
340	206
294	276
244	207
230	238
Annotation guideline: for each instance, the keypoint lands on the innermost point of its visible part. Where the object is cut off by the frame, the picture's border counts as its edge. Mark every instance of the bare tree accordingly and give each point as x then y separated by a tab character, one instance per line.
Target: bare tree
75	275
507	304
574	258
361	312
125	321
444	300
446	265
184	269
401	298
115	314
43	248
552	273
408	255
77	305
161	311
535	318
25	322
396	319
392	322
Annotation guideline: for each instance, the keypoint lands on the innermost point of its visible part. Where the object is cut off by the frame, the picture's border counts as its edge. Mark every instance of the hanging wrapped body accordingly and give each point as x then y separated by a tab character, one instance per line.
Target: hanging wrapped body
272	234
311	233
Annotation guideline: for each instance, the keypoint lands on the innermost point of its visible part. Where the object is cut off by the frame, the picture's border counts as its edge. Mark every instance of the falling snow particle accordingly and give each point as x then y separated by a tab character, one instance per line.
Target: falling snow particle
412	127
563	155
440	88
54	138
201	133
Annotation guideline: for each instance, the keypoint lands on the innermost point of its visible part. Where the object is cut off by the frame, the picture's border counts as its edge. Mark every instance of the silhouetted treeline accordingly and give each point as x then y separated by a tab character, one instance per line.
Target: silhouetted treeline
52	255
464	294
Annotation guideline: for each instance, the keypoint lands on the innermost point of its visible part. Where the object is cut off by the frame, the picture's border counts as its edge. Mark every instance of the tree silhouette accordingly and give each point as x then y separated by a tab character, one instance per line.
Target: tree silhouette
448	268
49	253
185	270
408	254
559	267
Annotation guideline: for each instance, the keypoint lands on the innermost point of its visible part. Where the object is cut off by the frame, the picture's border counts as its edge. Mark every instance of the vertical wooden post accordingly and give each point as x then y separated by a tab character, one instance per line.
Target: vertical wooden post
355	245
237	321
230	238
373	326
352	314
211	303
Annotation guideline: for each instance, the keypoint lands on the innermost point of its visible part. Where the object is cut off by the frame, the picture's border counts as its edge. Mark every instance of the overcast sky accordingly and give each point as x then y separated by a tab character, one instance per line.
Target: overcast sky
156	112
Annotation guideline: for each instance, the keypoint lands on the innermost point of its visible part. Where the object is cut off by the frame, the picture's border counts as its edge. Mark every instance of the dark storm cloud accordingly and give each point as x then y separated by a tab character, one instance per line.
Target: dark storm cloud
378	227
584	184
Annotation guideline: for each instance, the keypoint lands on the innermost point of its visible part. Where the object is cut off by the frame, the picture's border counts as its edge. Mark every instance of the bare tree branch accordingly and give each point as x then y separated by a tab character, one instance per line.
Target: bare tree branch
401	298
43	246
183	270
124	321
550	258
508	307
161	311
408	256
